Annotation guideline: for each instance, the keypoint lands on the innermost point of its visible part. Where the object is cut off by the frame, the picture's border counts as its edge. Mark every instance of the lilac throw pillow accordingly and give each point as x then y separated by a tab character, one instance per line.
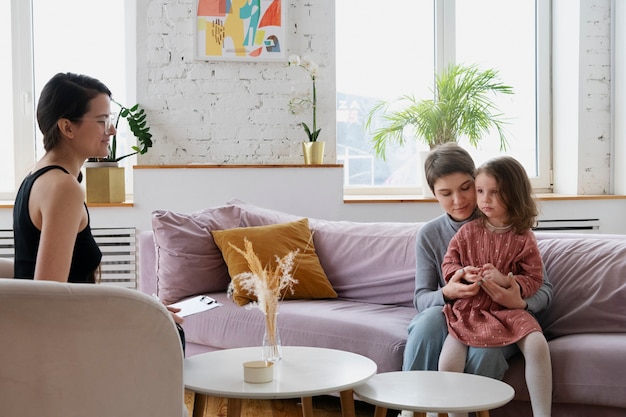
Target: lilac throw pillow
188	260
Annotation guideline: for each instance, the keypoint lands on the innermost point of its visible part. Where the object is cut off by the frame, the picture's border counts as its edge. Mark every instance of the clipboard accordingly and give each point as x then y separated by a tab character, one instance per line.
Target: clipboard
195	305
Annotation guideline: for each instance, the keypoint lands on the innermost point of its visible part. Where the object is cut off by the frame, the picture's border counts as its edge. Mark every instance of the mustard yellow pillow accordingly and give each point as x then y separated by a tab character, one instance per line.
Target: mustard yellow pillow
269	242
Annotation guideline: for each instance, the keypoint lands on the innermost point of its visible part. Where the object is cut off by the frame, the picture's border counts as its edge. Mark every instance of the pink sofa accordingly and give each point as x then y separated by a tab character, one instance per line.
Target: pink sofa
371	266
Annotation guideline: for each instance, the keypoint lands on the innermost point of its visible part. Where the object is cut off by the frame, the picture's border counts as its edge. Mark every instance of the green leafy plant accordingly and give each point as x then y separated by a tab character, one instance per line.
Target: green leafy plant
462	106
136	119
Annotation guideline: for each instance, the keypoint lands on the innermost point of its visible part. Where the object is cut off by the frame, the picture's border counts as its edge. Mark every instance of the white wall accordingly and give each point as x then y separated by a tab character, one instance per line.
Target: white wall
308	192
581	80
619	95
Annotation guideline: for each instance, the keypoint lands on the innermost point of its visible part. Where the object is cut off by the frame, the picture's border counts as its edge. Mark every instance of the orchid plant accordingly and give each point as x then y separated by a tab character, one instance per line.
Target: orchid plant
299	102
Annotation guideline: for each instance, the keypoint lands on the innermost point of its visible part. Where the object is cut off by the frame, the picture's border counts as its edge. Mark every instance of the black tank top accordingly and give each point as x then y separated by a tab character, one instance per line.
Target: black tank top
86	256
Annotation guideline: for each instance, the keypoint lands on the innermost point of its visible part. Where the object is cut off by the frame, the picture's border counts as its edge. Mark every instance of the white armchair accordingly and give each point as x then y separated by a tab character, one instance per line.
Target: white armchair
87	350
6	268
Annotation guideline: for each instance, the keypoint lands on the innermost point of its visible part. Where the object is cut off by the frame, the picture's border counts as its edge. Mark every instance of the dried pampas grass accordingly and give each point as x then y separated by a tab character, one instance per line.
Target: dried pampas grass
268	285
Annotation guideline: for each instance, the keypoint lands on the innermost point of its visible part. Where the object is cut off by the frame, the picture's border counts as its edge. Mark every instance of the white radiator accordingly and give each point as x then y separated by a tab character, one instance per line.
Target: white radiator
6	243
569	225
119	255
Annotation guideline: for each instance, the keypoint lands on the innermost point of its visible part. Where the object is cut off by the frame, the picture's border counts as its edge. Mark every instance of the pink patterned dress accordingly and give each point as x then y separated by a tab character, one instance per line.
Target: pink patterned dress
479	321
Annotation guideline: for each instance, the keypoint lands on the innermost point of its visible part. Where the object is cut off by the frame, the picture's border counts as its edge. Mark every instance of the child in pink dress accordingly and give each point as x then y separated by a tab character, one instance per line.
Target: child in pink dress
497	244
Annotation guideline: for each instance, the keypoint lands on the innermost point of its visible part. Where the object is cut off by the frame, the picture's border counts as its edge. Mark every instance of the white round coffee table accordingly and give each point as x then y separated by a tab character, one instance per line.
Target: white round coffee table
303	372
432	391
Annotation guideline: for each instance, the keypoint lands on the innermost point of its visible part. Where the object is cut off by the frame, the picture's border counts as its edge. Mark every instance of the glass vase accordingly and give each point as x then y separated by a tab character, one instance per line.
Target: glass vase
271	339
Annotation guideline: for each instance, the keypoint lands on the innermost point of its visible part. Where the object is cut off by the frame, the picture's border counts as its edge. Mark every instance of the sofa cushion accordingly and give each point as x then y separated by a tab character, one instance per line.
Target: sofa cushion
369	262
583	370
589	279
271	241
252	215
375	331
188	261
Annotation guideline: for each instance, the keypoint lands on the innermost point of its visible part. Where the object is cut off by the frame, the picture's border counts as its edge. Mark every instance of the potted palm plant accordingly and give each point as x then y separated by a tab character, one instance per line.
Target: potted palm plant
462	106
105	182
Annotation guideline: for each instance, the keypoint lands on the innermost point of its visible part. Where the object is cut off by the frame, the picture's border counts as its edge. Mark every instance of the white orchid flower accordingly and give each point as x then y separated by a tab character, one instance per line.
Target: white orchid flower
297	104
294	60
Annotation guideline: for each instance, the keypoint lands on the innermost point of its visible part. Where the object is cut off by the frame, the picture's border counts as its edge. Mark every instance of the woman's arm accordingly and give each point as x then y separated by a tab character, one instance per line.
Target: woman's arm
430	287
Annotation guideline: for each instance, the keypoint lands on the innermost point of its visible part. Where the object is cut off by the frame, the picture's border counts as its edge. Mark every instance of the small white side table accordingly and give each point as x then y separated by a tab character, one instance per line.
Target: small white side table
431	391
303	372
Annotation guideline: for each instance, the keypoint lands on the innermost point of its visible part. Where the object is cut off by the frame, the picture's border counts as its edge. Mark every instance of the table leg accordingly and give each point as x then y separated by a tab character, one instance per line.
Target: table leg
199	404
380	412
307	406
234	407
347	403
484	413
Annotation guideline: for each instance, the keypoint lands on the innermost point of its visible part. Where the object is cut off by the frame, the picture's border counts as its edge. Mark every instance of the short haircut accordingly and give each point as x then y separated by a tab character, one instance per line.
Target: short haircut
447	159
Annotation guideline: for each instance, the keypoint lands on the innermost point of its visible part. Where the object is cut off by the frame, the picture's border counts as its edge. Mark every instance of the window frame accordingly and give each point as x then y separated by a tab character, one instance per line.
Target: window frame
23	88
25	130
444	23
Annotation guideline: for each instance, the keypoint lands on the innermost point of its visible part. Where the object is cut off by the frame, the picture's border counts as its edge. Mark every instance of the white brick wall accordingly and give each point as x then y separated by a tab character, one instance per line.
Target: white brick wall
230	112
595	97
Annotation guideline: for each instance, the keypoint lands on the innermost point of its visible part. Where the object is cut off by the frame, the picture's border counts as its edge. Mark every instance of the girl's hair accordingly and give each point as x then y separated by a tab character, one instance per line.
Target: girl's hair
514	191
447	159
67	96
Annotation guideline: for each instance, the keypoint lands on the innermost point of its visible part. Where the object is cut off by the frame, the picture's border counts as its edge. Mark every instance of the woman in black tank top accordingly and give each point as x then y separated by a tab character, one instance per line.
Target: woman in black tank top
86	255
53	239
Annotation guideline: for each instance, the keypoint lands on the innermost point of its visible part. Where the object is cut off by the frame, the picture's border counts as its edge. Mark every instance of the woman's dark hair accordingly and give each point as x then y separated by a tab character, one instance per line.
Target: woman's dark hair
447	159
514	190
67	96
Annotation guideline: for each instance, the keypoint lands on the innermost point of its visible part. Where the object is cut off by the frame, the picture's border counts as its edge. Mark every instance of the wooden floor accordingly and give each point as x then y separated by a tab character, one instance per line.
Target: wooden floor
323	406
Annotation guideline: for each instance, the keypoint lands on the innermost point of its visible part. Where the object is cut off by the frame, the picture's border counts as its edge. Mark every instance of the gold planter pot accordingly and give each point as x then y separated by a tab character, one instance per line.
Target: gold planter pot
313	152
105	184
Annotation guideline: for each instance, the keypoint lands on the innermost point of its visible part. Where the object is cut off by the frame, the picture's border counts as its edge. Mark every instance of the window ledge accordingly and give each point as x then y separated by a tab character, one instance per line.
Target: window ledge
368	199
8	204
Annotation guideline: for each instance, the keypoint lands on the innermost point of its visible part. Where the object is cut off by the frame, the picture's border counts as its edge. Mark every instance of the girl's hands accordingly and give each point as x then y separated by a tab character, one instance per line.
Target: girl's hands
489	272
472	274
503	289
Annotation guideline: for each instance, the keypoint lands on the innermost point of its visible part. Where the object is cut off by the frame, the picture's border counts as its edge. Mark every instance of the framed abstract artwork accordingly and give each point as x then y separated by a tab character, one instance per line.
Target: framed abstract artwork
240	30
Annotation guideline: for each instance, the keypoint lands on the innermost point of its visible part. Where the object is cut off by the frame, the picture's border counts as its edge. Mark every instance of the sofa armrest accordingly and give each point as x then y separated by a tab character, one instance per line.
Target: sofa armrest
147	263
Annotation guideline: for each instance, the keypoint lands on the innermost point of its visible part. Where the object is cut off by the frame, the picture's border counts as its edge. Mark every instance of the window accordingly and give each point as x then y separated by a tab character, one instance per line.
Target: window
64	36
389	49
